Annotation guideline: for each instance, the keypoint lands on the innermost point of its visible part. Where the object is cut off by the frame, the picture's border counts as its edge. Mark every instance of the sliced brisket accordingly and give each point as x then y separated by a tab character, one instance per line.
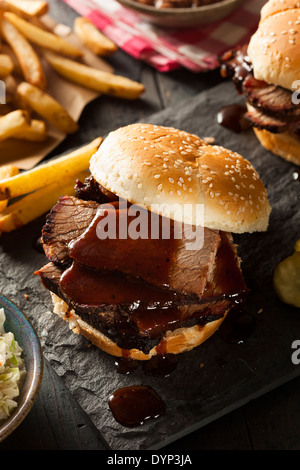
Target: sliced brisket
133	291
161	262
263	121
90	190
71	232
129	324
65	222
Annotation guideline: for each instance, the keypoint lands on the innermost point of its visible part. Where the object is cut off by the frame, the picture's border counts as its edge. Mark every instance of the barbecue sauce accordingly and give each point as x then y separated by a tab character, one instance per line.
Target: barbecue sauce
154	310
109	244
233	118
89	287
132	406
161	365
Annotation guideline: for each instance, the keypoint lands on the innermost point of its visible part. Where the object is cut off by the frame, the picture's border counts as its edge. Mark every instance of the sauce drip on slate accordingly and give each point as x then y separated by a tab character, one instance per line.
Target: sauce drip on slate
126	366
132	406
233	118
237	326
37	244
161	365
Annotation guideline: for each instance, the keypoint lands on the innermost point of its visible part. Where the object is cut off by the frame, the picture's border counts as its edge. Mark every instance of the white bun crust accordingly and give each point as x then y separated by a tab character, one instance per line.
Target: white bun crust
164	169
174	342
285	145
274	48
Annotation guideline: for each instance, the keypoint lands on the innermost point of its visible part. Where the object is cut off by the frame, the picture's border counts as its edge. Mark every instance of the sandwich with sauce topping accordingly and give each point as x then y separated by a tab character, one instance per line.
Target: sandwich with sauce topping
267	72
140	296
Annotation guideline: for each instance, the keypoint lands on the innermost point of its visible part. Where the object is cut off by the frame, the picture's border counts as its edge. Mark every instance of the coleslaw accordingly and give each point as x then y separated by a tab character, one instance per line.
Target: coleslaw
12	370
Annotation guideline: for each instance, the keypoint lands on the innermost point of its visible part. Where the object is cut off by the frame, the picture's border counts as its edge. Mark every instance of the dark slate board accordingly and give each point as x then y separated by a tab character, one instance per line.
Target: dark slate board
215	378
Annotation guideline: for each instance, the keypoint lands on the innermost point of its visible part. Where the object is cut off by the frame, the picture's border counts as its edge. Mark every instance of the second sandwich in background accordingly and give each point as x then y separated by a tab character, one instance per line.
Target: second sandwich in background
267	71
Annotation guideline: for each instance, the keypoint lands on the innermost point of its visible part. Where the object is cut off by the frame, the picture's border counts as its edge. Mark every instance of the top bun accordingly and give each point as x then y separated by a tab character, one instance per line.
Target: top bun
274	48
173	173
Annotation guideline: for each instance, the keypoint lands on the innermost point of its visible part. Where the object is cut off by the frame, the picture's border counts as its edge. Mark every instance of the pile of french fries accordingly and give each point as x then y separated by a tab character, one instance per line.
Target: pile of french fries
26	43
25	196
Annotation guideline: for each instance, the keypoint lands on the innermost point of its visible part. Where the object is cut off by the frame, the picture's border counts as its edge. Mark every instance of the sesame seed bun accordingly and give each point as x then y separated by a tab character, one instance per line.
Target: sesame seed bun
274	48
174	342
167	170
285	144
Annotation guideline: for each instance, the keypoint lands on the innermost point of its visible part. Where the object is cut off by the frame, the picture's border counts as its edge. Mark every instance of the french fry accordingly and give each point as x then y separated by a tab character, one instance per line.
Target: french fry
36	204
94	79
92	38
27	57
47	107
6	171
42	175
26	8
13	123
6	65
41	37
10	88
36	131
17	69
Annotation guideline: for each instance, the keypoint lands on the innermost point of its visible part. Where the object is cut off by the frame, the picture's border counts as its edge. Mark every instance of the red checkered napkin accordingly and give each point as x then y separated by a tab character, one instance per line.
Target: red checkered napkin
196	49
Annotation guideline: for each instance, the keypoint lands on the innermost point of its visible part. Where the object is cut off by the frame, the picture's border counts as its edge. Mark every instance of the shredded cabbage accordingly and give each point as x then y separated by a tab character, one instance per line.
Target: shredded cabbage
12	370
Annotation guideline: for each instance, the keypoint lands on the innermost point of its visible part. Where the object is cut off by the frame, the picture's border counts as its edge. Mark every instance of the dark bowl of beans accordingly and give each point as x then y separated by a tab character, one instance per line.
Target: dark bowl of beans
182	13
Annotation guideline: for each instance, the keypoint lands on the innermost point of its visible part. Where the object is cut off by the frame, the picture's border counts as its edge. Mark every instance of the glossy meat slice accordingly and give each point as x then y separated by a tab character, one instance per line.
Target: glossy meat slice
66	221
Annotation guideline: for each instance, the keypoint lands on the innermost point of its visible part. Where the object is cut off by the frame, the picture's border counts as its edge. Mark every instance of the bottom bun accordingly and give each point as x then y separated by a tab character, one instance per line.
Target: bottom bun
174	342
285	145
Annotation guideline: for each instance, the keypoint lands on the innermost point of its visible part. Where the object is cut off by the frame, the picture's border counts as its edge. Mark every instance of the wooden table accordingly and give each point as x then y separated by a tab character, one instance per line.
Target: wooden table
56	421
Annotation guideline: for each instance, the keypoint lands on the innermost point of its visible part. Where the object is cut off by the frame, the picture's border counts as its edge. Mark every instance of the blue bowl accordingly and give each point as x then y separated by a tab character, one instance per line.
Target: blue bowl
18	323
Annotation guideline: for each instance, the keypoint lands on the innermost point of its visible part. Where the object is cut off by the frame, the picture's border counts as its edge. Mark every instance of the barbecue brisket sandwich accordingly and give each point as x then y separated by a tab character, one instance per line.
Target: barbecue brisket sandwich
138	296
266	71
